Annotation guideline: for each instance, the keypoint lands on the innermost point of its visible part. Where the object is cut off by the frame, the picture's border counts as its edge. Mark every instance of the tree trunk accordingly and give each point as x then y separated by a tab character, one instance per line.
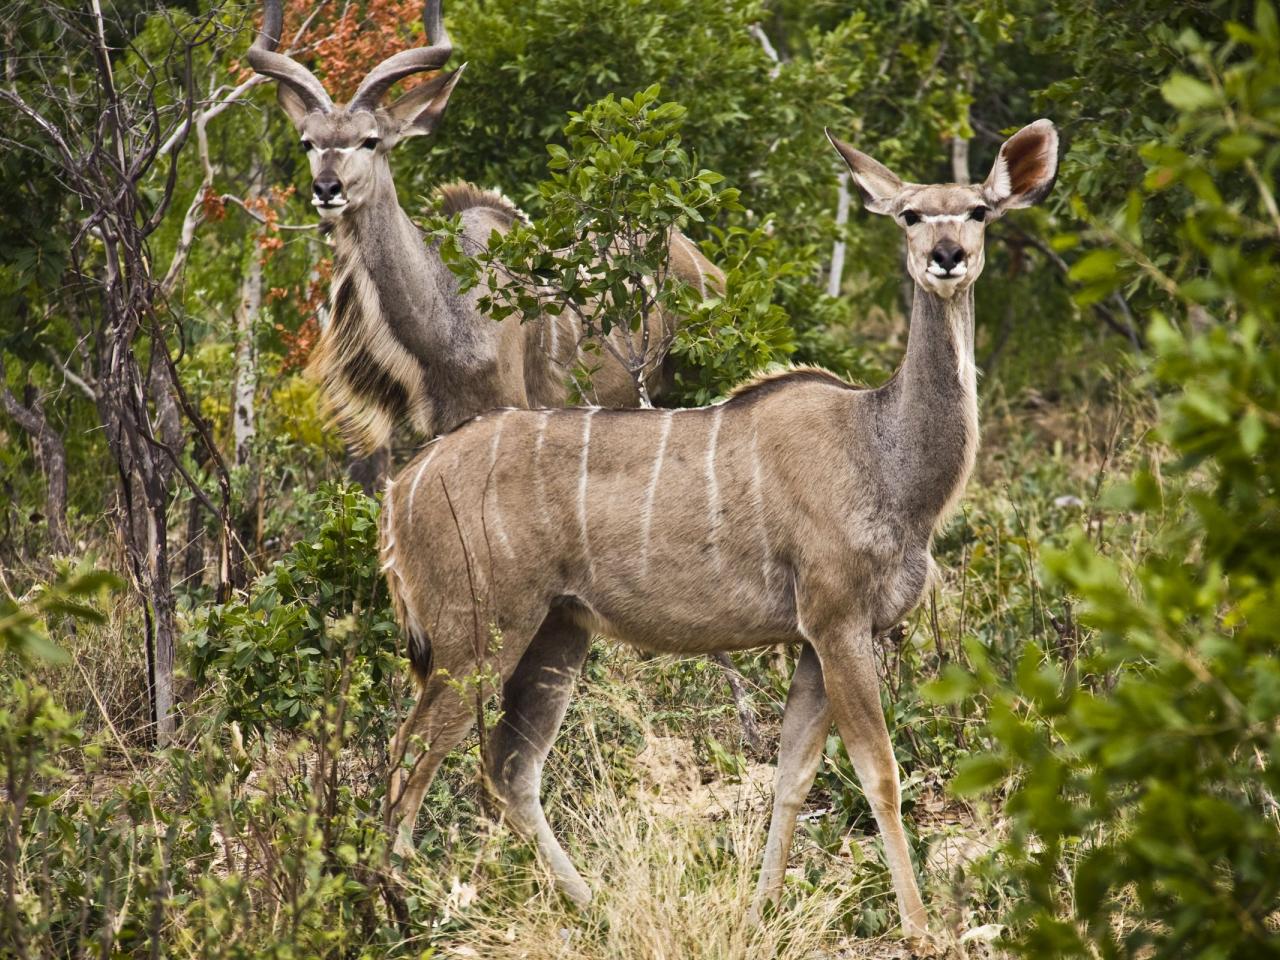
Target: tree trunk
960	160
193	552
243	416
836	276
244	424
123	407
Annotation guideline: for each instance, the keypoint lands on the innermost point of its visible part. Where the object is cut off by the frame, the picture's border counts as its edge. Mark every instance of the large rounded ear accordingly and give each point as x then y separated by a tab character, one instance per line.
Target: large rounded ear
419	111
292	104
1024	168
878	185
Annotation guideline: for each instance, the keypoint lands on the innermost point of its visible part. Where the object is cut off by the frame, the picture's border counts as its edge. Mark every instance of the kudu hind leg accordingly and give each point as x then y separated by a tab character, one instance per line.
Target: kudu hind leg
805	722
853	685
534	700
439	719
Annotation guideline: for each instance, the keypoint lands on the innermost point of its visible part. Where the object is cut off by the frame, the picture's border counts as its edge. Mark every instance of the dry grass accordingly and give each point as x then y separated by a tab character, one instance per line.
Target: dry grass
666	888
673	878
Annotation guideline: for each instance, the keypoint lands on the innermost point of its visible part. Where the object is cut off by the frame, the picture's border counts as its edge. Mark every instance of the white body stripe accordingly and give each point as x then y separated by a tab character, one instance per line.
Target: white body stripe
417	478
646	515
499	528
540	481
582	490
388	550
713	487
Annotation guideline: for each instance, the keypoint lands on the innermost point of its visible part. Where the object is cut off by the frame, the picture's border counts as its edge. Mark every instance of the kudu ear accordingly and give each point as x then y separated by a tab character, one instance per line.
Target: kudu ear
292	104
419	111
1025	168
877	184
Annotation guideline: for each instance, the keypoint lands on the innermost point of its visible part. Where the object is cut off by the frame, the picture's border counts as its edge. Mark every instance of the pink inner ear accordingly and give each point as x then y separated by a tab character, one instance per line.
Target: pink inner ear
1027	161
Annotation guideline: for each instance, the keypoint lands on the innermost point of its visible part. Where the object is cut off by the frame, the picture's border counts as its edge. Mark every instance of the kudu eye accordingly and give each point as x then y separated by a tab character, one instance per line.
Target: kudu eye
371	143
979	214
306	146
910	217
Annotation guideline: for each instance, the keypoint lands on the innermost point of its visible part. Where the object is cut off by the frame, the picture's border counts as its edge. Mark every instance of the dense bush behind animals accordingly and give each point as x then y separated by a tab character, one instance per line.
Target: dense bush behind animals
1103	639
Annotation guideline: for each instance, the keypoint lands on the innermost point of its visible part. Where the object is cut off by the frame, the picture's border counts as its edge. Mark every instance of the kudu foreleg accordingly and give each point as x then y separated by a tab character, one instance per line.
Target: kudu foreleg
805	722
853	685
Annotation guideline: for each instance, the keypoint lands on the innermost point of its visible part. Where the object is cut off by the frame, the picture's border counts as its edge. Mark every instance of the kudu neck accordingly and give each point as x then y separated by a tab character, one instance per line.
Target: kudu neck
934	406
380	211
408	283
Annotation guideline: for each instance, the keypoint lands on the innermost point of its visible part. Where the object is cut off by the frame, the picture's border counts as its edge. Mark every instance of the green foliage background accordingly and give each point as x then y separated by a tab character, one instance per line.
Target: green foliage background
1094	685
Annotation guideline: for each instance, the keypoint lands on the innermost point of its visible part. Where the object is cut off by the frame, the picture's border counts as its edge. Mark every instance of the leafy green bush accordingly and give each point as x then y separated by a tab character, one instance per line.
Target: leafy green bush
236	847
315	627
601	251
1144	777
23	626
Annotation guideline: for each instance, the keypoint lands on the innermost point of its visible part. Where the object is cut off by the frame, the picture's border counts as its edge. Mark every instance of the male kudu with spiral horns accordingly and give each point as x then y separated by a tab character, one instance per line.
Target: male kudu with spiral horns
801	510
402	343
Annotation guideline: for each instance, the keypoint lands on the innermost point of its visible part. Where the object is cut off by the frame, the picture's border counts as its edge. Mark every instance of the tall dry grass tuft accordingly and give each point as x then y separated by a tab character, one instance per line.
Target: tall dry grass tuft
104	679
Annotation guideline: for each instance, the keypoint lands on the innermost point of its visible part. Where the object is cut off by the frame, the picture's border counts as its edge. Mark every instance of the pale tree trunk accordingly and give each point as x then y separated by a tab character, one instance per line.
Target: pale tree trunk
244	424
243	417
960	160
836	274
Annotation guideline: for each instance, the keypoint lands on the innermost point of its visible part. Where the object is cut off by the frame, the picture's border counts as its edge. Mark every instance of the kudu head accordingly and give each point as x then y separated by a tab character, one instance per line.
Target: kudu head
946	224
347	145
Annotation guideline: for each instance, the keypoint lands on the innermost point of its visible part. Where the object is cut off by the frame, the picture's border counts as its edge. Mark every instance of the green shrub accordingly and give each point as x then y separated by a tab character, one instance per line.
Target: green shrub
1144	777
315	627
601	252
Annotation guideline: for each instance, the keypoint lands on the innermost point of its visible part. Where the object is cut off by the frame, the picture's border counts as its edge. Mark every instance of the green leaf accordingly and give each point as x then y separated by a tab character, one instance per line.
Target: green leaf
978	774
1187	93
1252	432
1095	265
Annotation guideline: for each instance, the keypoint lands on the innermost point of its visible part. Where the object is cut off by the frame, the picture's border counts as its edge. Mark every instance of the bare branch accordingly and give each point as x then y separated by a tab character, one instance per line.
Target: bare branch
70	376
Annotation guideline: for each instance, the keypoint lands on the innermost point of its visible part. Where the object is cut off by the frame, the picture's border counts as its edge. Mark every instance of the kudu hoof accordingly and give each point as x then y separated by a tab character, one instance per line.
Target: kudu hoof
922	943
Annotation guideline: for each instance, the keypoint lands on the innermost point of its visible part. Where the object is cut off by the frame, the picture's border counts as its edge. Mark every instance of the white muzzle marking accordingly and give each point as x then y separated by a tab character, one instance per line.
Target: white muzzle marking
955	273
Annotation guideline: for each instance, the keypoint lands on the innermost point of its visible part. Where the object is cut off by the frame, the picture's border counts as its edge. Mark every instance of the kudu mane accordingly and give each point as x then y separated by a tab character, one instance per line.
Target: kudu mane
454	198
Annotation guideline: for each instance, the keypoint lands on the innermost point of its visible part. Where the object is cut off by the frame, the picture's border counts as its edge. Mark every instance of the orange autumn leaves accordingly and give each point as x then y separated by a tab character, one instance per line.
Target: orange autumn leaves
344	41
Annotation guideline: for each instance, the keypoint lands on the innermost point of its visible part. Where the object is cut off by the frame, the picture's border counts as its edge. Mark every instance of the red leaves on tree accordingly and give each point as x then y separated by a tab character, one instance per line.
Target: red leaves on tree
345	41
212	205
299	343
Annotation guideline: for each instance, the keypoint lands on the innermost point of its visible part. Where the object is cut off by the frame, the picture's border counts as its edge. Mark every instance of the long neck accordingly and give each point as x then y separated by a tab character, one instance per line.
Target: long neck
396	276
931	409
415	344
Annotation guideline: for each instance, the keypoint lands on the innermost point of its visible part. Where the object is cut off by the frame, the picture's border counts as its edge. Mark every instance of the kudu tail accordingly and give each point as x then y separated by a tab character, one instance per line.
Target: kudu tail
402	605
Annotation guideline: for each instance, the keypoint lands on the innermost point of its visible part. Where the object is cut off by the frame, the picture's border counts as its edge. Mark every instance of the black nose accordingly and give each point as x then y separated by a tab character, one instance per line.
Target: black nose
327	189
947	254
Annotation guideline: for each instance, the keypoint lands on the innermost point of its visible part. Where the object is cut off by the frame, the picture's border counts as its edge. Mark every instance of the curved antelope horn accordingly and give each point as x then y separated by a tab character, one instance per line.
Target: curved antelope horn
263	58
406	62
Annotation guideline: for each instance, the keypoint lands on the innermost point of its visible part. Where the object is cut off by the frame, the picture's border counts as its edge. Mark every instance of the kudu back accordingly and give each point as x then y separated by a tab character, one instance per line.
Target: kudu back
801	510
402	344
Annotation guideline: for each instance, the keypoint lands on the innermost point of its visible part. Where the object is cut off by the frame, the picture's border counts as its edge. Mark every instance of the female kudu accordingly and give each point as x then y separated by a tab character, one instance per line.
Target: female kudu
801	510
